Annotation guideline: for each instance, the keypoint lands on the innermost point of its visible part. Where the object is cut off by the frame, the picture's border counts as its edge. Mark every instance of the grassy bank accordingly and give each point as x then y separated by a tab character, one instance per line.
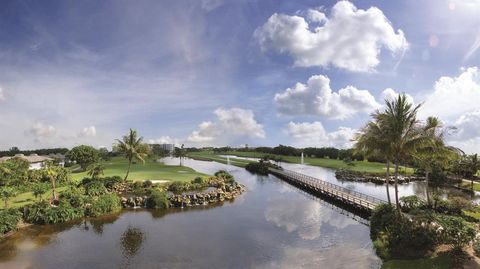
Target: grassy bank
467	184
210	156
27	198
151	170
360	166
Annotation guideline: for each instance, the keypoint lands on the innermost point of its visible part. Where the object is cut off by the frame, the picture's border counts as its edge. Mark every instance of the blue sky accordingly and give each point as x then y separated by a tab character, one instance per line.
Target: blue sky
216	72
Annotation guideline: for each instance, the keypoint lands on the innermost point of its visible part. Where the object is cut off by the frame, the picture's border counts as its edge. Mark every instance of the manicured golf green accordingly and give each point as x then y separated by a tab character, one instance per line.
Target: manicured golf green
151	170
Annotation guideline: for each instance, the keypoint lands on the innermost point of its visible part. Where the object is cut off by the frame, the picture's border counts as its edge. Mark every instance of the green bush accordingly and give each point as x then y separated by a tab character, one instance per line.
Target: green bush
411	202
74	196
398	236
476	248
158	200
9	219
111	182
226	176
382	217
179	186
257	168
456	231
147	184
108	203
95	188
43	213
199	180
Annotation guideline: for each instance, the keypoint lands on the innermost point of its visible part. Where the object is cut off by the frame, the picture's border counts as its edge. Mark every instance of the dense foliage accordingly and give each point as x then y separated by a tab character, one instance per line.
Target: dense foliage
9	219
15	150
83	155
395	235
258	168
108	203
226	176
44	213
158	200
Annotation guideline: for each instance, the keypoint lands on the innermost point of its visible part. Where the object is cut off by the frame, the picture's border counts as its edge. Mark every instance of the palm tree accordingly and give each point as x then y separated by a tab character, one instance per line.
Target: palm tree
401	129
371	141
133	148
472	166
179	153
433	150
52	176
95	170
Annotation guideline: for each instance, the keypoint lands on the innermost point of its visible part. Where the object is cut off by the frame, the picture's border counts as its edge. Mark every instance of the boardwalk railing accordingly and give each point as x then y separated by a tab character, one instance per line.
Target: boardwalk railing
337	192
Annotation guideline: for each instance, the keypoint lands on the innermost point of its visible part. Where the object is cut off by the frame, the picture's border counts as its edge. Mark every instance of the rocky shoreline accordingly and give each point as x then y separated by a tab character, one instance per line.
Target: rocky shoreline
355	176
196	198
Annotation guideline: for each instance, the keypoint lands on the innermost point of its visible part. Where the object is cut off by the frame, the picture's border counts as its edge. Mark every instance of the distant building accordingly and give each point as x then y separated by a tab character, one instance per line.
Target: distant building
168	147
36	161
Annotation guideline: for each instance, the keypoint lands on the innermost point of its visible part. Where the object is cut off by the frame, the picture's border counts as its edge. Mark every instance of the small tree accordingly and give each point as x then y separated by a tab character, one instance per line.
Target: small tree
39	190
95	170
7	193
456	231
83	155
132	147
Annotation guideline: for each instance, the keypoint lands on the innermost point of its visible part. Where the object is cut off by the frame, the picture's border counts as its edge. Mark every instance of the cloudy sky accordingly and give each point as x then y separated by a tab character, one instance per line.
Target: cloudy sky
230	72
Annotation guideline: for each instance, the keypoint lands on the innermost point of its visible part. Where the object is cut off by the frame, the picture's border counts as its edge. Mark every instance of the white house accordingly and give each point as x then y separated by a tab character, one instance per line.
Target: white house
36	161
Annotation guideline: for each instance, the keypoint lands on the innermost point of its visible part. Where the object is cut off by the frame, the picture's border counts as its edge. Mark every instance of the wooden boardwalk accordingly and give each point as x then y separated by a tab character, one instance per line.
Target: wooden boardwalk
335	192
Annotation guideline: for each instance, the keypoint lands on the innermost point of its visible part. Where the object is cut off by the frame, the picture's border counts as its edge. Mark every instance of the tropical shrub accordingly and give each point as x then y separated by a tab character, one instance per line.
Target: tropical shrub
397	236
456	231
7	193
111	182
199	180
95	188
227	177
74	196
43	213
40	189
179	186
411	202
108	203
476	248
158	200
9	219
257	168
147	184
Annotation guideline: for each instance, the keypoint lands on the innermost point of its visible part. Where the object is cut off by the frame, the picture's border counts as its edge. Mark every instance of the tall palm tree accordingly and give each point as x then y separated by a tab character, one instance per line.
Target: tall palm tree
371	141
433	150
179	153
133	148
401	128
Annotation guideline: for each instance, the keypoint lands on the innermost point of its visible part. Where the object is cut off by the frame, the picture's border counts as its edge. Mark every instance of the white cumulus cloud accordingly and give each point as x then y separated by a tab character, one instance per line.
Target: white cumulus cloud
349	38
313	134
317	98
233	122
164	140
90	131
454	96
42	130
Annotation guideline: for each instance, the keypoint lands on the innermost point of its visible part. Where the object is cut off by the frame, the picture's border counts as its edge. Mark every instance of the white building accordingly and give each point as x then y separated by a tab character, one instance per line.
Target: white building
36	161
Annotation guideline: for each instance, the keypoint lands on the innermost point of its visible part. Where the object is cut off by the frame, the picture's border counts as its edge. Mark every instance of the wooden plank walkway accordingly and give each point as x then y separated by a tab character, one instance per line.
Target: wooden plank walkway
341	194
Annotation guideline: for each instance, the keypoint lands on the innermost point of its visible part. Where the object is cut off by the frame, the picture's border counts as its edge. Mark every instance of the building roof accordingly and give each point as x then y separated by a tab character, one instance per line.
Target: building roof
32	158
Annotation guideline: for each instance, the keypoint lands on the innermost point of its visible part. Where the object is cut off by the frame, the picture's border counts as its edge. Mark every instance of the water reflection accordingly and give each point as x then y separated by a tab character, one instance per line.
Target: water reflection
272	225
131	241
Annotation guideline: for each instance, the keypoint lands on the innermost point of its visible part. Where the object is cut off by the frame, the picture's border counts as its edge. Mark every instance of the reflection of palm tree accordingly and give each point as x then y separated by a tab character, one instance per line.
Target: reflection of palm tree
131	241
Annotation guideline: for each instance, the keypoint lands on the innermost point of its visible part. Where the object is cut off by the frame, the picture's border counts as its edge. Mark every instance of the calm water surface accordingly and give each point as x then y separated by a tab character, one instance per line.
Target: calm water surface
272	225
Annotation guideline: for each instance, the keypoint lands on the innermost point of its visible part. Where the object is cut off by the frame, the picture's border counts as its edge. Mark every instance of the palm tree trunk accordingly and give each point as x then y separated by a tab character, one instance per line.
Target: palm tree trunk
128	169
388	182
397	203
426	180
53	189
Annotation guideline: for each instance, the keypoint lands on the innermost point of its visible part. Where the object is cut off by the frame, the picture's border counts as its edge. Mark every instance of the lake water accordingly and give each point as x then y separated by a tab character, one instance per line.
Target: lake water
272	225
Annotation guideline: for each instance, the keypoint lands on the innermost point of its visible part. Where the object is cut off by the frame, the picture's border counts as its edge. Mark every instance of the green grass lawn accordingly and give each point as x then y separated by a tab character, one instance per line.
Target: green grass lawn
467	184
361	166
440	262
151	170
27	198
210	156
